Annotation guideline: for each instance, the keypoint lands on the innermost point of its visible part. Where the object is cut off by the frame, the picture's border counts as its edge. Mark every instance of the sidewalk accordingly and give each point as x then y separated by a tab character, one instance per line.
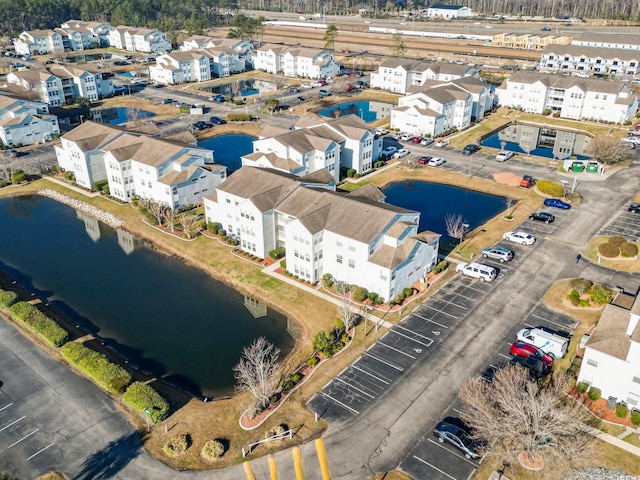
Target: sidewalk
605	437
71	187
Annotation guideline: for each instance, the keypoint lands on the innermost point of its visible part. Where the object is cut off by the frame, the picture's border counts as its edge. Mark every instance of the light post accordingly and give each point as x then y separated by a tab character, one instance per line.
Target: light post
146	416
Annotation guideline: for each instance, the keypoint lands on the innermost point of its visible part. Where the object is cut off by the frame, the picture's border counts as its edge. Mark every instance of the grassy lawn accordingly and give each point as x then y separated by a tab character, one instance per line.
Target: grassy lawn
624	265
633	439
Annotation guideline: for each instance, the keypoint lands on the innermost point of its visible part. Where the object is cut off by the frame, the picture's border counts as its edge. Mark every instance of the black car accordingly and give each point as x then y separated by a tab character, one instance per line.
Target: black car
217	121
634	207
470	149
456	436
537	368
545	217
302	99
293	90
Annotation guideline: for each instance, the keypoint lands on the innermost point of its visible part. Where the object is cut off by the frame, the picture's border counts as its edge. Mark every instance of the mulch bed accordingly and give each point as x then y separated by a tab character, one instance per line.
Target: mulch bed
600	410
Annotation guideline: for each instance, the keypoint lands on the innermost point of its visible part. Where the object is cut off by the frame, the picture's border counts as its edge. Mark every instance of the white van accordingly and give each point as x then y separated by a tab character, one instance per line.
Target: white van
477	270
550	343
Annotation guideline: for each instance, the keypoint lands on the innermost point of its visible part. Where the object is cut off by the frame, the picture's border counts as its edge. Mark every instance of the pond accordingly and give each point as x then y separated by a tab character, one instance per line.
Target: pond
367	110
118	115
435	201
227	149
167	318
242	88
540	141
83	58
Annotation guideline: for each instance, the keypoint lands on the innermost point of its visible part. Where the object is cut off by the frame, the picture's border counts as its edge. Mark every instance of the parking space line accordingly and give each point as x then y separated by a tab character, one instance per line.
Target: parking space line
429	320
395	349
459	412
40	451
416	333
505	356
23	438
412	339
355	388
12	423
441	311
6	406
400	369
550	321
435	468
370	374
346	407
441	445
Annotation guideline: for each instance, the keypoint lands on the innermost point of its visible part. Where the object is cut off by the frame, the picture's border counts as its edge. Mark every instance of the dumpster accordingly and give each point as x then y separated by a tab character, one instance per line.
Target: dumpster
577	167
592	167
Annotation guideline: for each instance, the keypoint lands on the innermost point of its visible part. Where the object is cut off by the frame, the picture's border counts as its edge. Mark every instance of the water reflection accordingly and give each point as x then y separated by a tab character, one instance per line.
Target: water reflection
255	307
96	230
367	110
243	88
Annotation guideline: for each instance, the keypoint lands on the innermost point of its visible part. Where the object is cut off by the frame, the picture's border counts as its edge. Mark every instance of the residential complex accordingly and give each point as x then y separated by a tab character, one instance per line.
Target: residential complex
611	359
598	60
23	122
133	39
619	41
571	97
528	41
355	237
295	61
58	86
38	42
167	172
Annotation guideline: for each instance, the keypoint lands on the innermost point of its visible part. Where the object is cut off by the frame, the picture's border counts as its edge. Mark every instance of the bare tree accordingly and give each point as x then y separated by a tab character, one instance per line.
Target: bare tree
609	150
257	371
170	216
187	219
514	416
157	210
455	225
345	311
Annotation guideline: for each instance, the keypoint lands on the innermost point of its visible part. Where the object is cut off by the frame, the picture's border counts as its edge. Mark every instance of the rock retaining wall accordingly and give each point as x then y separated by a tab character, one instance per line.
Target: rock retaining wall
105	217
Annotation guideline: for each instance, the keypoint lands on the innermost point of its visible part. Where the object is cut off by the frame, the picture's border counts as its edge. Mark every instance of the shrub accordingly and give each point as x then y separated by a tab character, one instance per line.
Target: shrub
351	172
287	385
177	445
18	176
628	249
399	299
277	253
550	188
621	411
584	303
373	296
273	399
312	362
295	378
7	298
601	294
580	285
322	340
327	279
140	396
108	375
360	294
239	117
37	321
582	387
546	111
407	292
100	184
617	240
440	267
574	297
635	417
213	227
340	324
4	183
283	264
594	394
212	450
277	430
222	232
608	250
344	338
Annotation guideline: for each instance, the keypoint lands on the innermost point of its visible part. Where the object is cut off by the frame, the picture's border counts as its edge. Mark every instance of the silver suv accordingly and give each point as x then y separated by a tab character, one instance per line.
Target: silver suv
498	253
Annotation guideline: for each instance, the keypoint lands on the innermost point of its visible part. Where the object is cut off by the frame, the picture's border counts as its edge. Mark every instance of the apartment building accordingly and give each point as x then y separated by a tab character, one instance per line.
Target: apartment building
589	60
24	123
133	39
38	42
528	41
295	61
619	41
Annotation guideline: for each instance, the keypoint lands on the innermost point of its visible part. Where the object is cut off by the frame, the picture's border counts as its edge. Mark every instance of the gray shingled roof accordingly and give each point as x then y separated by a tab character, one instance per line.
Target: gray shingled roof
610	334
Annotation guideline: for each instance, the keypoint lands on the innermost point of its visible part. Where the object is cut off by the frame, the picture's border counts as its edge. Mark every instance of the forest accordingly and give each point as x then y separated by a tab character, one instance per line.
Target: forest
194	16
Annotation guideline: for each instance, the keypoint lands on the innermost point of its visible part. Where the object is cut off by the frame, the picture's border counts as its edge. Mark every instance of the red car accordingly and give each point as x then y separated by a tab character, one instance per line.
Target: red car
424	160
521	349
416	139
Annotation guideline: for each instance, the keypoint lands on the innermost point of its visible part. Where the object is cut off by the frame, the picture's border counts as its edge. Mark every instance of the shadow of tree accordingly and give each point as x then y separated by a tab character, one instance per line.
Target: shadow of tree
106	463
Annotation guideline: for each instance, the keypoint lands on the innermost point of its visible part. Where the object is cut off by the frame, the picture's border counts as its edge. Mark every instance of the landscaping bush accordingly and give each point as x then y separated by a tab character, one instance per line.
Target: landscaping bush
327	279
340	324
608	250
312	362
628	250
277	430
621	411
360	294
277	253
351	172
372	296
295	378
4	183
550	188
213	227
283	264
100	184
582	387
26	313
177	445
580	285
322	340
140	396
574	297
110	376
440	267
7	298
635	417
594	394
601	294
617	240
344	338
17	177
213	450
222	232
69	176
239	117
407	292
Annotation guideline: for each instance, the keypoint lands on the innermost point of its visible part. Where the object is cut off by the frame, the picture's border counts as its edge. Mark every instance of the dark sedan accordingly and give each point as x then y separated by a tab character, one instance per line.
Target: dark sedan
545	217
470	149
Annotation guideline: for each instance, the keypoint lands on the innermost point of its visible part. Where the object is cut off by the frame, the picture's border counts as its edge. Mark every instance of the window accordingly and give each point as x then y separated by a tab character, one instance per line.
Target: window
592	362
339	259
352	263
636	379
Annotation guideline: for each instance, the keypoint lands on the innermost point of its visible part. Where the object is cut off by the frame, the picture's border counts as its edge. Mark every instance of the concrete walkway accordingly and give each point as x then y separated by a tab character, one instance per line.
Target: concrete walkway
605	437
71	187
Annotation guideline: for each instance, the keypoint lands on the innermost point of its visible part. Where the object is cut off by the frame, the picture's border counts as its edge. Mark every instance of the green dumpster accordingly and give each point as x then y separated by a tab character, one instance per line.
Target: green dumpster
592	167
577	167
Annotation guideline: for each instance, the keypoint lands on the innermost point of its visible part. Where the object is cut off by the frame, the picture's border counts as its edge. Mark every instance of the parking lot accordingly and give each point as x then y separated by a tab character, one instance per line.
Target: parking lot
624	223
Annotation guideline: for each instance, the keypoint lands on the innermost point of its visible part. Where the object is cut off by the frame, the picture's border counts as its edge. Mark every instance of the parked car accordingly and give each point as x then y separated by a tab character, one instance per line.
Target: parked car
403	152
456	436
523	349
426	141
306	85
470	149
158	85
293	90
397	135
416	139
545	217
324	93
380	132
557	203
424	160
537	368
477	270
166	101
217	120
389	151
632	139
436	162
406	137
217	98
634	207
498	253
441	143
546	29
527	181
522	238
549	342
504	156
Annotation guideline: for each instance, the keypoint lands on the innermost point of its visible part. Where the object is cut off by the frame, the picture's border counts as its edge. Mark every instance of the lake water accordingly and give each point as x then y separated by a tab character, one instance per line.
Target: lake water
227	149
166	317
367	110
242	88
118	115
540	141
435	201
89	57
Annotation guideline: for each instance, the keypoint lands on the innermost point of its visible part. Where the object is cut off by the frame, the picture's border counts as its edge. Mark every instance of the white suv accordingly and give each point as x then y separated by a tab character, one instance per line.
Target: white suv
504	155
477	270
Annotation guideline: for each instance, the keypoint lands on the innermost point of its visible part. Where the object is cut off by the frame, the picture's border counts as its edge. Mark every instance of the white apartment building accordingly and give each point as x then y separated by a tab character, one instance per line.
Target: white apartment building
133	39
572	97
590	60
398	75
449	11
167	172
355	237
24	123
295	61
58	85
98	31
611	359
180	67
619	41
38	42
229	55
